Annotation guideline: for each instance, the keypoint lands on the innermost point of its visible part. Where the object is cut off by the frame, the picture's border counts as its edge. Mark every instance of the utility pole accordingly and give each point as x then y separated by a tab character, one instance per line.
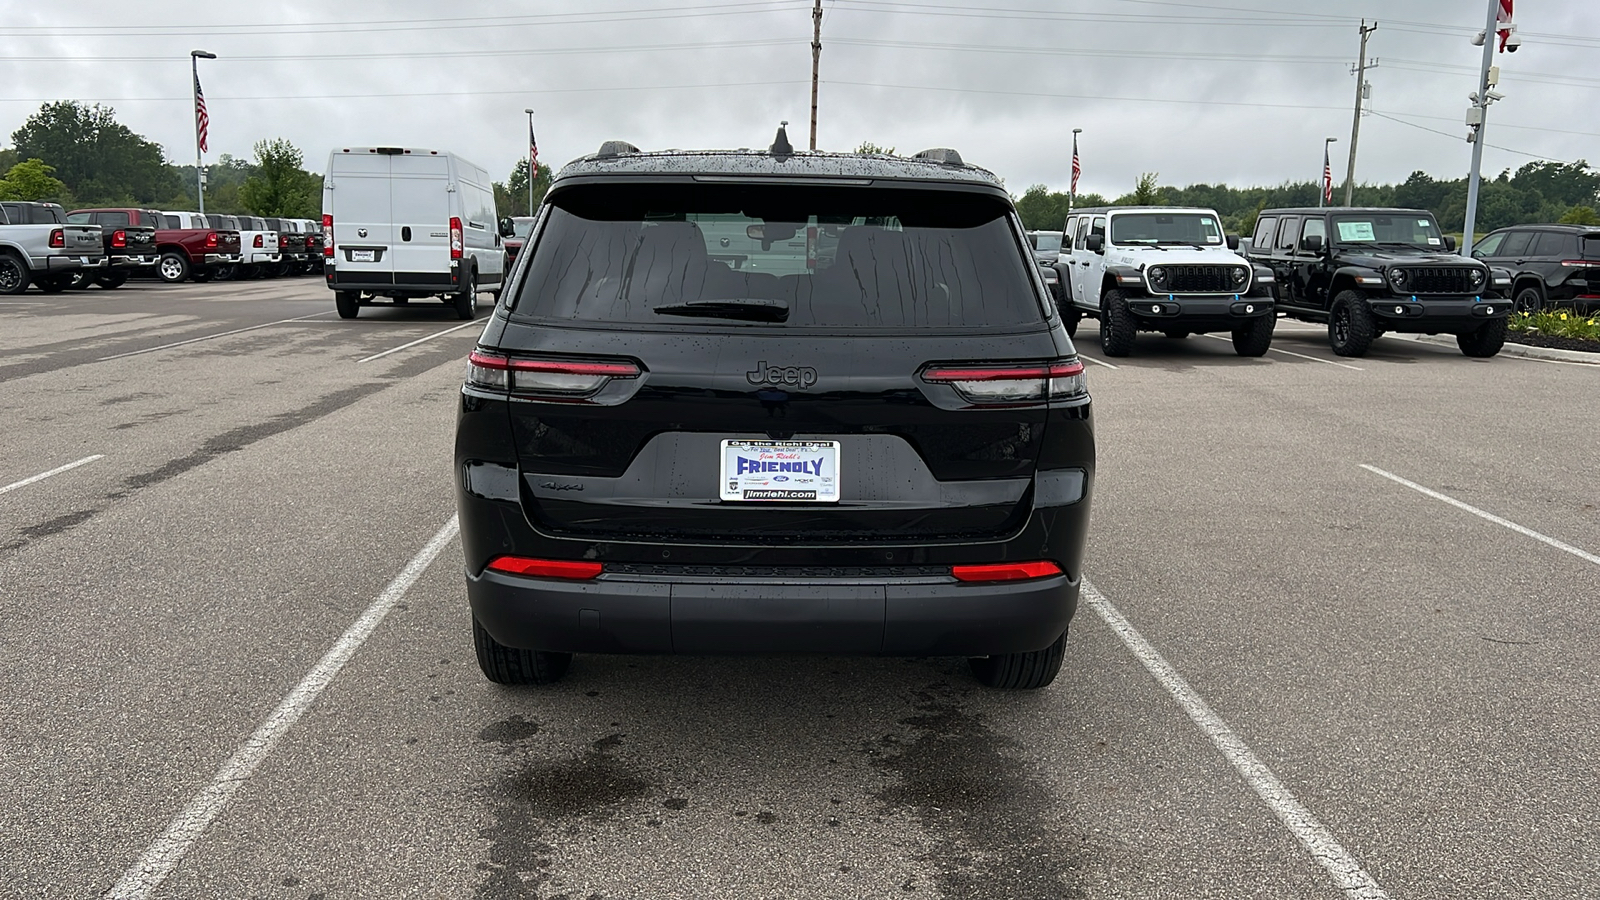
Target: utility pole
1478	113
816	62
1355	129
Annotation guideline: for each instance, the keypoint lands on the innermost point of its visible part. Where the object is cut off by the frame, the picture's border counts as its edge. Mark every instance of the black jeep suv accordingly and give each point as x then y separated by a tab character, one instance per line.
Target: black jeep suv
1365	272
774	402
1550	265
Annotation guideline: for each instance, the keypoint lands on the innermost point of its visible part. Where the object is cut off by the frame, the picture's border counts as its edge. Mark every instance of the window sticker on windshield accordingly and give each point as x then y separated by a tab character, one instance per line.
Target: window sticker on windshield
1356	231
1433	242
1423	223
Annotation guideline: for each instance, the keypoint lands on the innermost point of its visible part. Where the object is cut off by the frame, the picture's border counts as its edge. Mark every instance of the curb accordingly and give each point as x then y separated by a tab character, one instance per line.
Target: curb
1523	350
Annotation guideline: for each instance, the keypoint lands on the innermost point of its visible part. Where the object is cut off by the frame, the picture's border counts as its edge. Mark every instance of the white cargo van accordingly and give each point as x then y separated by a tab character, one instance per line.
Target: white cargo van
403	223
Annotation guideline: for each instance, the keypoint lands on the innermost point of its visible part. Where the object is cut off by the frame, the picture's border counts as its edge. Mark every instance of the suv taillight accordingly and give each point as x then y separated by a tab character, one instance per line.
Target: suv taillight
1010	384
119	239
1015	571
58	238
211	240
552	379
327	234
457	242
570	569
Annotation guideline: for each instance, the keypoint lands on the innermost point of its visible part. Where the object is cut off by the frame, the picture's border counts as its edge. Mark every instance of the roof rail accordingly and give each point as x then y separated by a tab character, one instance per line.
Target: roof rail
616	148
942	155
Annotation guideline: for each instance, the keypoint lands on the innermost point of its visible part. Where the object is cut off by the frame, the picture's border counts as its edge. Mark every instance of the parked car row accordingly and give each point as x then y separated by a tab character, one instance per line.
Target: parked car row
45	245
1362	272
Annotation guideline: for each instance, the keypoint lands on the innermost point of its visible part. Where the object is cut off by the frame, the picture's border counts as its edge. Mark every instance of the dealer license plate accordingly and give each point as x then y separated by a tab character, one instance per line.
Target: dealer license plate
780	471
363	256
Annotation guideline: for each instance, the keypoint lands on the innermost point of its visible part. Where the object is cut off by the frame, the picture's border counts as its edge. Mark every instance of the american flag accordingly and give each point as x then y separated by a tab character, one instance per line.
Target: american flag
1077	167
202	122
1503	17
533	152
1327	177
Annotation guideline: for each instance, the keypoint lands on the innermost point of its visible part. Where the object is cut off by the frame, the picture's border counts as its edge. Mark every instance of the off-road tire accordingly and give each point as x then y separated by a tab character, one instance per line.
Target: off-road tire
112	280
172	268
348	303
1528	300
1351	325
1117	328
14	274
1484	342
53	284
466	302
1253	337
513	665
1020	671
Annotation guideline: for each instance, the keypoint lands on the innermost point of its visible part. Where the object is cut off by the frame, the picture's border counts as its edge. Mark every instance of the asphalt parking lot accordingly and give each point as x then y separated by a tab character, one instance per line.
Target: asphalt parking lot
232	669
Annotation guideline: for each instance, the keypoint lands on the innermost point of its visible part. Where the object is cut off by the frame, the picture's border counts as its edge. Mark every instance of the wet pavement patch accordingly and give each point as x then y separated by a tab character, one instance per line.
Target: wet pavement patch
993	826
538	798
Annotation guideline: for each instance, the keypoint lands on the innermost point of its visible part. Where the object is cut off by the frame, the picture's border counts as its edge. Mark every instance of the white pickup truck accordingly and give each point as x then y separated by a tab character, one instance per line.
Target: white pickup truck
258	245
43	249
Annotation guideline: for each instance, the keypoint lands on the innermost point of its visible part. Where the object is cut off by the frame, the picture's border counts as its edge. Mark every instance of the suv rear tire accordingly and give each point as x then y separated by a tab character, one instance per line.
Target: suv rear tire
1351	328
1254	337
1020	671
1485	342
1528	300
348	303
1117	329
513	665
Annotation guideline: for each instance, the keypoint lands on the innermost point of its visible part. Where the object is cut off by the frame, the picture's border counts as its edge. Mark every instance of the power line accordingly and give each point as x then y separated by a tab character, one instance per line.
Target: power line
432	54
475	93
1457	137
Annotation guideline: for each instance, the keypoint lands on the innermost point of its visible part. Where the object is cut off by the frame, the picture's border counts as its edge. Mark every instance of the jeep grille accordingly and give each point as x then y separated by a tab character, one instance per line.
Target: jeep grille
1440	280
1200	280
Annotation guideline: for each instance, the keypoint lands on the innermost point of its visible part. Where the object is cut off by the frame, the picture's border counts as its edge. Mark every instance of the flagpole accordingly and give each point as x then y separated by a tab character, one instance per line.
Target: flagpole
1072	193
533	161
199	166
1327	172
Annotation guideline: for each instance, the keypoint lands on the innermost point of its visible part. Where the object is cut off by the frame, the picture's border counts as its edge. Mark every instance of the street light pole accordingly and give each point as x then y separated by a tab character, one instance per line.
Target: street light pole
533	162
1326	182
1479	112
199	168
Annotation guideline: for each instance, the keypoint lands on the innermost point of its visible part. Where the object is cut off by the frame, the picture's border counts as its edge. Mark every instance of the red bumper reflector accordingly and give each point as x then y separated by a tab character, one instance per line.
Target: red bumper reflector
1017	571
545	568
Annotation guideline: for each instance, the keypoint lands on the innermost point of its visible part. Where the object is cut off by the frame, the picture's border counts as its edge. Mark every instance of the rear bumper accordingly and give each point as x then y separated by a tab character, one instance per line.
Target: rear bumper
132	262
220	259
55	263
257	257
919	616
408	283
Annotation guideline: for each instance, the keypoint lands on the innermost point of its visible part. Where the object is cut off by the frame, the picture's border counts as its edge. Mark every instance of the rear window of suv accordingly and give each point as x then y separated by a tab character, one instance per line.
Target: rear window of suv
779	256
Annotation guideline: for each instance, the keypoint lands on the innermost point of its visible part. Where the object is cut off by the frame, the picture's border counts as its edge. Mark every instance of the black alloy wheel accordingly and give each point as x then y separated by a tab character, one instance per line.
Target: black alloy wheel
13	275
1528	300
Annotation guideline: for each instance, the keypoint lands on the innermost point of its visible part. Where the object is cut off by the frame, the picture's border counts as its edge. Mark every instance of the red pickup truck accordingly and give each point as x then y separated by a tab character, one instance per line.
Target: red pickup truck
186	245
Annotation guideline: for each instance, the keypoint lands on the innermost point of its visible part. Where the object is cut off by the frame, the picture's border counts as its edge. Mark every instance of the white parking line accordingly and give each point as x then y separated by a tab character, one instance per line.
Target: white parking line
1317	840
1301	355
208	337
416	342
192	822
56	471
1097	362
1543	538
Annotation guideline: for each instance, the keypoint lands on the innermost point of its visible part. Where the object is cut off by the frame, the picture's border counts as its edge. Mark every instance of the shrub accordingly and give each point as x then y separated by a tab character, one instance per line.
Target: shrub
1558	323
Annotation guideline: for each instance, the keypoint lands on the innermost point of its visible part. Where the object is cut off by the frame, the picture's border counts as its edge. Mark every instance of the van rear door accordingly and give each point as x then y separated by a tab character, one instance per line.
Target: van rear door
362	217
419	188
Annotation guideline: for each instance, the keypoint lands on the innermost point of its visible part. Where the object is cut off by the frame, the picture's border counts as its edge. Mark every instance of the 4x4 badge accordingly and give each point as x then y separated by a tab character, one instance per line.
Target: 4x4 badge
794	376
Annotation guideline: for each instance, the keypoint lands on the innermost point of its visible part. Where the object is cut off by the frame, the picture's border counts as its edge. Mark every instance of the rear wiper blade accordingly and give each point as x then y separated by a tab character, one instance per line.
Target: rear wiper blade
754	309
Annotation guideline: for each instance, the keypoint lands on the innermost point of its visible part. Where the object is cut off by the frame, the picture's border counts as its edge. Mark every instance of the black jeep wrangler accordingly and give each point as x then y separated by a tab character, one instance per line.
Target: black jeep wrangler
1366	272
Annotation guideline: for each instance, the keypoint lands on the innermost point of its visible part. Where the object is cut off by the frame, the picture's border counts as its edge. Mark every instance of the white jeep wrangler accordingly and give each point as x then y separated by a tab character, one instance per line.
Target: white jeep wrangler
1170	270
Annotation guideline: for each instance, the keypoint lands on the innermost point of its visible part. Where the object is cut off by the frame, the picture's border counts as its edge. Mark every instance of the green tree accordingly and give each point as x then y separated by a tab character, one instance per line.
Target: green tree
1580	215
1145	191
100	159
511	196
279	186
31	180
869	148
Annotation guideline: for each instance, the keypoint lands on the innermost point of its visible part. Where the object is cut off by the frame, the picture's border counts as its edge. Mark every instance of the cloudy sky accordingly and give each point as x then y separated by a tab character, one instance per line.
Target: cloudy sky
1236	91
